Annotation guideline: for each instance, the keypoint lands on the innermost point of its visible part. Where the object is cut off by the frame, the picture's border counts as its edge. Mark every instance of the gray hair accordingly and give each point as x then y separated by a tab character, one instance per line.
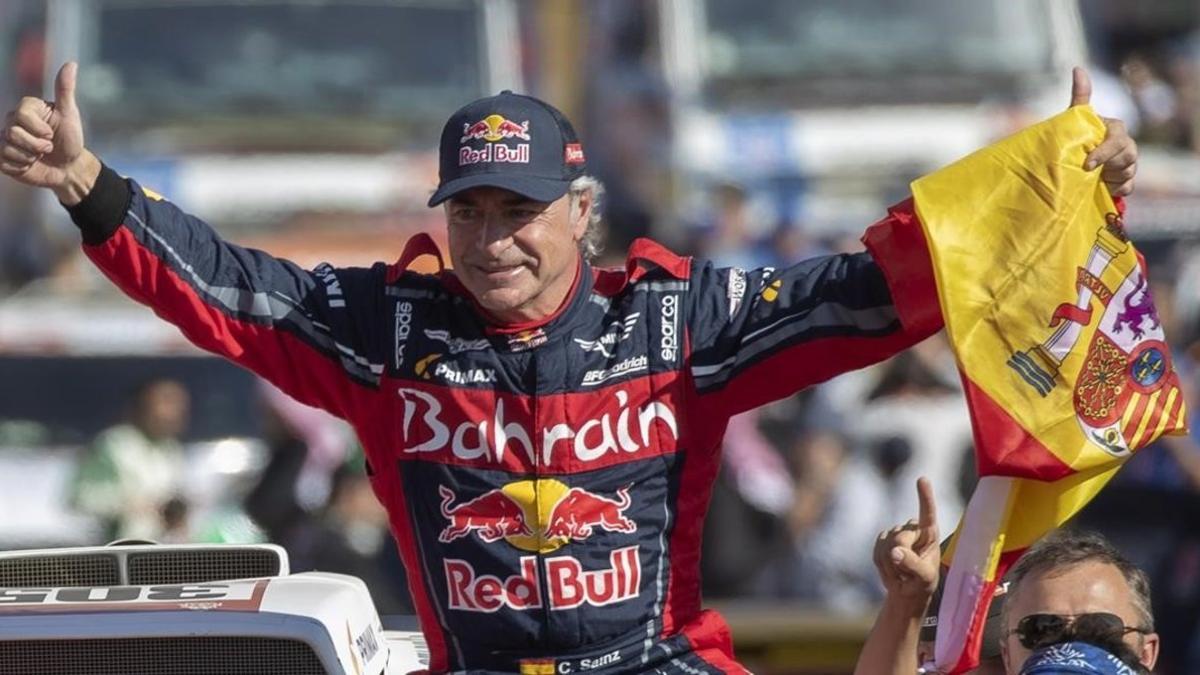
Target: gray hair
1066	548
590	245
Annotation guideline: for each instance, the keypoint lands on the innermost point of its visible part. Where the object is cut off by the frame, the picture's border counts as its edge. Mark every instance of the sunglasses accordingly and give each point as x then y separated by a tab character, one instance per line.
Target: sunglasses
1039	630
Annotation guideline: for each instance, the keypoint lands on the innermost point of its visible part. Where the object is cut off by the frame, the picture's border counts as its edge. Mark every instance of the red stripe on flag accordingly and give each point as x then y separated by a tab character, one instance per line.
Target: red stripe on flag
969	658
1005	448
1175	410
1180	416
1135	418
1155	416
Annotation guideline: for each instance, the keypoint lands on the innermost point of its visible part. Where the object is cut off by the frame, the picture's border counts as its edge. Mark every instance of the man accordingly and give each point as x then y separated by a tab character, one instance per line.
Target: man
543	434
1076	585
133	470
1070	586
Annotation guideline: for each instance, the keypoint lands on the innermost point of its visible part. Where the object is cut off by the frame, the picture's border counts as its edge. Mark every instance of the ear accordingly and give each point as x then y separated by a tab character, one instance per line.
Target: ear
1148	654
582	215
1004	656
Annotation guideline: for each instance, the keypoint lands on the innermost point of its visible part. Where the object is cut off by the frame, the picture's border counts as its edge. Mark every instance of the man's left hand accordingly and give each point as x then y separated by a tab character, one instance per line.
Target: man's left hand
1117	153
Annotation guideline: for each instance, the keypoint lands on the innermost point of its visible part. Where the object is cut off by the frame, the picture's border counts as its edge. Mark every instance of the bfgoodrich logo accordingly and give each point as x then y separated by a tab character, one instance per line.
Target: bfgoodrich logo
632	364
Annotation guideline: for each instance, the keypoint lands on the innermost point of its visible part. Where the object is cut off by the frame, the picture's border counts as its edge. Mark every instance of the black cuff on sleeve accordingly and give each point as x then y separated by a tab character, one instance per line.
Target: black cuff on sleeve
103	209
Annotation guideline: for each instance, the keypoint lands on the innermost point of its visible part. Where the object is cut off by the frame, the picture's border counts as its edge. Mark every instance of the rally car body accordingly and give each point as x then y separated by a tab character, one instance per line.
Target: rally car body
189	609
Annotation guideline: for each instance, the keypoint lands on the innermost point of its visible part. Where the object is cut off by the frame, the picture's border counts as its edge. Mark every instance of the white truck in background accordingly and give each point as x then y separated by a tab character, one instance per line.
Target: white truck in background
825	110
272	115
308	129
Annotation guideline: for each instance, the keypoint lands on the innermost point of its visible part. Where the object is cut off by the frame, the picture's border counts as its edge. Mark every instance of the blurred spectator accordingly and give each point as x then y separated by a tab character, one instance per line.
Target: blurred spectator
746	515
27	251
177	528
918	425
132	470
351	537
839	505
627	117
306	446
1156	102
729	234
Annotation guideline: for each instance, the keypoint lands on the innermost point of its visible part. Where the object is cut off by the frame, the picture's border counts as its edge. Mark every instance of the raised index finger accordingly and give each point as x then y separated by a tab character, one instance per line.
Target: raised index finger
927	526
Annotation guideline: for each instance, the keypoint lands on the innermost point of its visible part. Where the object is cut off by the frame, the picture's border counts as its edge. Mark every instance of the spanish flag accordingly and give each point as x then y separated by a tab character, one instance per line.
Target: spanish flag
1064	364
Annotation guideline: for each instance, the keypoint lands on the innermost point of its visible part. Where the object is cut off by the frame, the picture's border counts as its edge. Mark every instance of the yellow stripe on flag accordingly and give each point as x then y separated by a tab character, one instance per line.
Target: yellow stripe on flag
1136	440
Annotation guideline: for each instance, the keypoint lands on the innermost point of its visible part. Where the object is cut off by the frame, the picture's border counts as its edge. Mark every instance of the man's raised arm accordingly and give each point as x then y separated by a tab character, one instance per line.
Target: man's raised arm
309	332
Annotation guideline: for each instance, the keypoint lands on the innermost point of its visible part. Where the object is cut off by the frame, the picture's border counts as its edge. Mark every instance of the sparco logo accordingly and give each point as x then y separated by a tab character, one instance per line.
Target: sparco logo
670	327
625	430
568	585
403	328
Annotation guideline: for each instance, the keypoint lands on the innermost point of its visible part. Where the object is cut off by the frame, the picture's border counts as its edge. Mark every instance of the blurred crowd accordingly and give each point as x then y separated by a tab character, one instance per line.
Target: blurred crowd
311	494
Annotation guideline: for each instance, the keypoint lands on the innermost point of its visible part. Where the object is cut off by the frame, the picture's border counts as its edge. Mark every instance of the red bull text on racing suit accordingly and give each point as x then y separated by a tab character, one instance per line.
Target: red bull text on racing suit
546	484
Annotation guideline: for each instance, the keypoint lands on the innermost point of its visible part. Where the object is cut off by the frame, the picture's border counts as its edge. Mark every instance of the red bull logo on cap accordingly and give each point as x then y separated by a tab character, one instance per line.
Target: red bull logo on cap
492	129
495	128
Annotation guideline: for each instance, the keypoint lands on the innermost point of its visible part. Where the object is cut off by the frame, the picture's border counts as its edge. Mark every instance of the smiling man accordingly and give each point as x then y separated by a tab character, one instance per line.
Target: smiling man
543	434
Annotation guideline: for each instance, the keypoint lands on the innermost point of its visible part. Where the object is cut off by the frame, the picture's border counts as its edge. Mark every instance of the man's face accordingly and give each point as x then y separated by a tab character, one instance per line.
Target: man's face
1078	589
516	256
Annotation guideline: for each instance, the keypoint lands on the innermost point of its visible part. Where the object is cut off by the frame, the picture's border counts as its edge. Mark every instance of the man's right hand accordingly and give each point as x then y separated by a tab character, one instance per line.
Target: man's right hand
42	143
908	556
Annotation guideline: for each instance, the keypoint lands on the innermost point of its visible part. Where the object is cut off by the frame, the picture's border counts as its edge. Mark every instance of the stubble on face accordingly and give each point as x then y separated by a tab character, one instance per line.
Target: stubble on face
517	257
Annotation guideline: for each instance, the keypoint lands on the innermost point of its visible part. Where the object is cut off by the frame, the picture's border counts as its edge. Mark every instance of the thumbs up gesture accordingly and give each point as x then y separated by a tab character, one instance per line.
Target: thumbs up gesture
42	141
1117	155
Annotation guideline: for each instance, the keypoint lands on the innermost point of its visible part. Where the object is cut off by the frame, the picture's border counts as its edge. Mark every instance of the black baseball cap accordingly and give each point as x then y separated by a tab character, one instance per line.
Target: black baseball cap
509	141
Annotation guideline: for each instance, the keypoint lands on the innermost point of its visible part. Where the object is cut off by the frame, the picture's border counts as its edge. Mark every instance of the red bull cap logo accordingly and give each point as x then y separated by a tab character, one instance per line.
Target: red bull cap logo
495	128
492	129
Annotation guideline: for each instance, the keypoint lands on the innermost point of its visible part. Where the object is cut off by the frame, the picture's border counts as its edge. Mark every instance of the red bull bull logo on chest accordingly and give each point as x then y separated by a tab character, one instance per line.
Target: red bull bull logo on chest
541	516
